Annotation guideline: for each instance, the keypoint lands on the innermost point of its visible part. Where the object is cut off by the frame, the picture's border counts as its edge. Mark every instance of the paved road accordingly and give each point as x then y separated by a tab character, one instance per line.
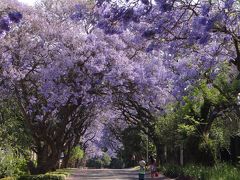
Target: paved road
108	174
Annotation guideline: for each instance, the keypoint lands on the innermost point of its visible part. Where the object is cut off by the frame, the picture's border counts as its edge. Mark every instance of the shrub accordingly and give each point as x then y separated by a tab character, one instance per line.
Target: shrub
75	156
10	165
116	163
76	153
95	163
43	177
217	172
8	178
59	173
106	160
172	171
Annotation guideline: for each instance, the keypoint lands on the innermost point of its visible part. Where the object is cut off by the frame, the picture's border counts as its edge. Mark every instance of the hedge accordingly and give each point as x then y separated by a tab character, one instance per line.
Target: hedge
60	174
8	178
43	177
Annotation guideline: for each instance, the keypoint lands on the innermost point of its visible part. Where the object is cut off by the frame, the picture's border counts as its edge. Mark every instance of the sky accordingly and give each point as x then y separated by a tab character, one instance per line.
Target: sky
28	2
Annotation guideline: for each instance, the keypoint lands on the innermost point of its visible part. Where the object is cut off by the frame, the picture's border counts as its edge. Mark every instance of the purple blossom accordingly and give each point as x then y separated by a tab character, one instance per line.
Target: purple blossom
128	14
100	2
78	7
204	39
107	15
150	48
166	7
4	24
229	3
209	25
146	2
15	16
77	16
202	21
205	9
149	33
103	24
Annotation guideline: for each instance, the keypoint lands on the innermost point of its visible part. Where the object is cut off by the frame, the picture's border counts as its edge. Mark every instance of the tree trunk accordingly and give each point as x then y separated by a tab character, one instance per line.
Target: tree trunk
66	156
46	166
200	151
47	160
206	151
76	165
201	146
159	151
66	160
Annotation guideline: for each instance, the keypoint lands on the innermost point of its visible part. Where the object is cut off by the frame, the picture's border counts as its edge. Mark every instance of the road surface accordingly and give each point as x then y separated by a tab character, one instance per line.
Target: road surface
108	174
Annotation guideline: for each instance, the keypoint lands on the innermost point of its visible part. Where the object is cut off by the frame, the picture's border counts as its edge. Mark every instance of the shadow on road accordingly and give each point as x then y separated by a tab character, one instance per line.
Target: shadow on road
109	174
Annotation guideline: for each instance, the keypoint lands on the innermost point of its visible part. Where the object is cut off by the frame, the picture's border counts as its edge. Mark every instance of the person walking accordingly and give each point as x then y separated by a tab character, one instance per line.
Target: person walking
141	174
153	167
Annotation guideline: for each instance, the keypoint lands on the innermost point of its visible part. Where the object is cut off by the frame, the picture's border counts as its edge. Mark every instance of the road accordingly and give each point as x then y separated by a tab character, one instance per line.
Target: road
108	174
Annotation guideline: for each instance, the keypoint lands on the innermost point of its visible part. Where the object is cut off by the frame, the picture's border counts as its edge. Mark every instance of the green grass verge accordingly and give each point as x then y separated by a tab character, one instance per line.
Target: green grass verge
218	172
43	177
65	173
8	178
59	174
136	168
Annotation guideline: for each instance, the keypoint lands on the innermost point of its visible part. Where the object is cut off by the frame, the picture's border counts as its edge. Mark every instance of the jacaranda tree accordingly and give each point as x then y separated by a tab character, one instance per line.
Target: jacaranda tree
134	57
56	74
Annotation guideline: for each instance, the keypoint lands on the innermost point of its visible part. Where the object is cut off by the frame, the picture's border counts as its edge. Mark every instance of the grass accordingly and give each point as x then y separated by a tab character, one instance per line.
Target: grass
136	168
58	175
218	172
65	172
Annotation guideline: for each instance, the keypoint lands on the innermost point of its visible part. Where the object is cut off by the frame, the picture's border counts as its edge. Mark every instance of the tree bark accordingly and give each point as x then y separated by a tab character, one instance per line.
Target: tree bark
47	160
66	160
159	151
